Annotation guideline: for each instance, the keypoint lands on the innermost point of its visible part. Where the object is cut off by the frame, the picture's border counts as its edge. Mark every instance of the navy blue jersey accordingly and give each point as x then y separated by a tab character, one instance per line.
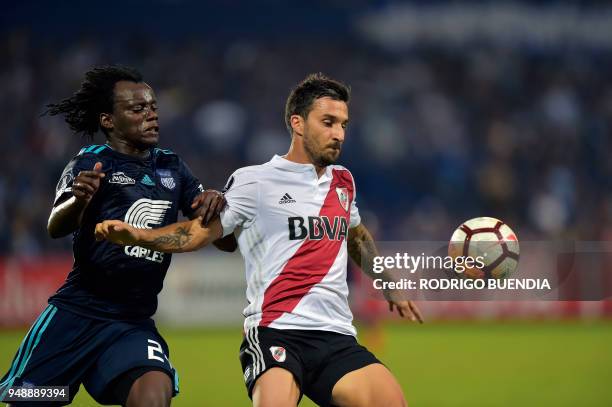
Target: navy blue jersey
107	280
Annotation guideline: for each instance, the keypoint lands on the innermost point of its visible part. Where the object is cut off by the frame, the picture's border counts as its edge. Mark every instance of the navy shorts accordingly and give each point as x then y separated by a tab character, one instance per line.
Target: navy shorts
66	349
317	359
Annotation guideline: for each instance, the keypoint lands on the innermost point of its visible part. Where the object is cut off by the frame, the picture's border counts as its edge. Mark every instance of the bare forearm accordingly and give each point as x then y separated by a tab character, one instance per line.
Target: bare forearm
66	217
179	237
362	249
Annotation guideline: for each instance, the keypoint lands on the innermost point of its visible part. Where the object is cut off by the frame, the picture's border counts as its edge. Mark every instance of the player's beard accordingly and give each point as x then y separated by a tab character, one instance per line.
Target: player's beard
322	156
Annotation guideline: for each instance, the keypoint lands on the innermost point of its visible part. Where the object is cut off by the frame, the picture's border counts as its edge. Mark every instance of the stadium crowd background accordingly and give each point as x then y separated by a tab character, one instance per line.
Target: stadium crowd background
441	129
459	109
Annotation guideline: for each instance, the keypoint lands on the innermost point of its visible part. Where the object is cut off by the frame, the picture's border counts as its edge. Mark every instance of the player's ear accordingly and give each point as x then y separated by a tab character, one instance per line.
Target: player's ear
106	121
297	124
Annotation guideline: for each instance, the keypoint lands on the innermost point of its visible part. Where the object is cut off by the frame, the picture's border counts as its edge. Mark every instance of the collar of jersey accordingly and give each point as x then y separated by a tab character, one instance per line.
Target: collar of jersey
285	164
131	157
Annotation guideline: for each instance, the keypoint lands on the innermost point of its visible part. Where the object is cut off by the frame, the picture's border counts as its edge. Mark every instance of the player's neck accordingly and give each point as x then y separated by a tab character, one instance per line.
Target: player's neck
125	148
298	155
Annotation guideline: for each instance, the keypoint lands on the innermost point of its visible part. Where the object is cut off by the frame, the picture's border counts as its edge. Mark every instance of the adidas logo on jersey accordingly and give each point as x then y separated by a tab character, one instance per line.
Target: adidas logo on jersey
286	199
147	180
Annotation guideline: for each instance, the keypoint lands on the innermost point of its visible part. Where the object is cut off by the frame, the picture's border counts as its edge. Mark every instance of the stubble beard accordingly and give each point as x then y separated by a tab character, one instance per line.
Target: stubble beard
319	158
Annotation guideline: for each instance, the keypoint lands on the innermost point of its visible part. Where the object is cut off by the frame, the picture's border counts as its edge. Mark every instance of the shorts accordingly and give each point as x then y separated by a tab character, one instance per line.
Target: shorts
66	349
317	359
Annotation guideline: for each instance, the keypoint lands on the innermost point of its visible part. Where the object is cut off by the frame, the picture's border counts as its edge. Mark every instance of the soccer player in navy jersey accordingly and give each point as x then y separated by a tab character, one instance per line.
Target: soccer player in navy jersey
97	329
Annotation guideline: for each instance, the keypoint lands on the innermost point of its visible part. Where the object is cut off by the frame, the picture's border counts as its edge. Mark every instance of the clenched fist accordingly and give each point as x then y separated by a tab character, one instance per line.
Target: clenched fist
87	183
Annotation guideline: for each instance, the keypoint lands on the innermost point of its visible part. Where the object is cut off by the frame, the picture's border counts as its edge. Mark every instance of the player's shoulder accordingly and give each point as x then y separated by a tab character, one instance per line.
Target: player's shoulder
249	175
164	152
91	154
166	158
343	172
339	167
251	171
94	150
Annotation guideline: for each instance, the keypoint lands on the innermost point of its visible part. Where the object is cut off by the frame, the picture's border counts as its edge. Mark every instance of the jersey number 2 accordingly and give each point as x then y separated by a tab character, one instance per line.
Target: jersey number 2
155	351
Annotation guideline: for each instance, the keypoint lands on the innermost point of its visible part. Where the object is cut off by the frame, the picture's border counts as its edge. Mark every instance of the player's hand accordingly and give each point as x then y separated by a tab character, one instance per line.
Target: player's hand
118	232
208	204
406	308
87	183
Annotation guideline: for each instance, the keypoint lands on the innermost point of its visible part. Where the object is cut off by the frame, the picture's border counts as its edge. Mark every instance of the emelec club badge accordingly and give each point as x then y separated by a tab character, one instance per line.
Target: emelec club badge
343	197
278	353
166	179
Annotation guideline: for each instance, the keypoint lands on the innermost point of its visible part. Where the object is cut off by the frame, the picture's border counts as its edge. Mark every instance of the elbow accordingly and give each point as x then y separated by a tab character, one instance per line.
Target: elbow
54	232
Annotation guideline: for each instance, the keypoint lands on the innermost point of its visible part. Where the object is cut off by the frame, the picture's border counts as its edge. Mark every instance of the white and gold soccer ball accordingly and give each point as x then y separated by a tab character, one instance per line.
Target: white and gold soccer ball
491	242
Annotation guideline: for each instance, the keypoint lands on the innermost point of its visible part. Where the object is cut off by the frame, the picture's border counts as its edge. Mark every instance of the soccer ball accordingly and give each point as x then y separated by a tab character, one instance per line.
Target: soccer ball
491	243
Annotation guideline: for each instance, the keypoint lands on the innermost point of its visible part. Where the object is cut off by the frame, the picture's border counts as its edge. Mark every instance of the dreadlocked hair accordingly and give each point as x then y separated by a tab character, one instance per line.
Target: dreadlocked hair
95	96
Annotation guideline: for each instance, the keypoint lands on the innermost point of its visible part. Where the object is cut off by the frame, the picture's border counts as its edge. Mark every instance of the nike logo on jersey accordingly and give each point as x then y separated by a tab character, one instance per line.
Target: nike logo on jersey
145	214
286	199
317	228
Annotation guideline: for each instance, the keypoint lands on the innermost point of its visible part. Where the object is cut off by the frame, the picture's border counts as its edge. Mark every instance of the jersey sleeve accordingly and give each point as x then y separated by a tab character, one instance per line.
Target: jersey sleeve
191	187
63	190
355	217
241	194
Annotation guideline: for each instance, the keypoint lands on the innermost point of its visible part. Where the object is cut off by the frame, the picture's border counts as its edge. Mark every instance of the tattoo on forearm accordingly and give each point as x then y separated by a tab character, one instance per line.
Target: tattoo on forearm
362	249
176	240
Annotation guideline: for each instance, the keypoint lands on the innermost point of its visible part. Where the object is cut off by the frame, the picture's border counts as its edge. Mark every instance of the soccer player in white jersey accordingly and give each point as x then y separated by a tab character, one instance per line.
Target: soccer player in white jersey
296	222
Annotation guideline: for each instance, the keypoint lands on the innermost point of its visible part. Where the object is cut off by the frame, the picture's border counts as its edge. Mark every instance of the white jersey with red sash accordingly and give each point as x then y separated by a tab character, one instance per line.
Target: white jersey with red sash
292	227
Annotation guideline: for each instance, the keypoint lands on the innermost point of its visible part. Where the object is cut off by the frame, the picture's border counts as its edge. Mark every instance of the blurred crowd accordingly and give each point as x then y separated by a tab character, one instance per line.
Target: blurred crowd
438	134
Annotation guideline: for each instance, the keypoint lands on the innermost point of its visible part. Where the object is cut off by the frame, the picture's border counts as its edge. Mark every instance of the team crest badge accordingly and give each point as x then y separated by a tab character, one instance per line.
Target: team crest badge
278	353
168	182
343	197
166	179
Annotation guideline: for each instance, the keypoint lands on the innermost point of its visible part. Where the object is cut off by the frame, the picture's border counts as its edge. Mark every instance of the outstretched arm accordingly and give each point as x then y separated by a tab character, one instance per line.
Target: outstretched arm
209	204
175	238
362	249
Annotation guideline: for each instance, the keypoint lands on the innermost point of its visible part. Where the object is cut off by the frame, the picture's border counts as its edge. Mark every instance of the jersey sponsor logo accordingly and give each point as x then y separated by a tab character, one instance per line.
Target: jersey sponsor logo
145	214
343	197
286	199
143	253
121	179
146	180
317	228
278	353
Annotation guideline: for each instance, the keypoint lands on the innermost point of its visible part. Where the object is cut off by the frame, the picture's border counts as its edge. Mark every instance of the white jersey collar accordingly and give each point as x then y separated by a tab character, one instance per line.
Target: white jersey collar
280	162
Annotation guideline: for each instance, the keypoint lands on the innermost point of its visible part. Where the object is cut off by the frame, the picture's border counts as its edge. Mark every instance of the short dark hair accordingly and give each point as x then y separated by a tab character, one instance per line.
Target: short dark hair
95	96
315	86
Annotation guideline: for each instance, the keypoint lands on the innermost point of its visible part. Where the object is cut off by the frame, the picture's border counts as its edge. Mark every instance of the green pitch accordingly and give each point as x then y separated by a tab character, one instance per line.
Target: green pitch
459	364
